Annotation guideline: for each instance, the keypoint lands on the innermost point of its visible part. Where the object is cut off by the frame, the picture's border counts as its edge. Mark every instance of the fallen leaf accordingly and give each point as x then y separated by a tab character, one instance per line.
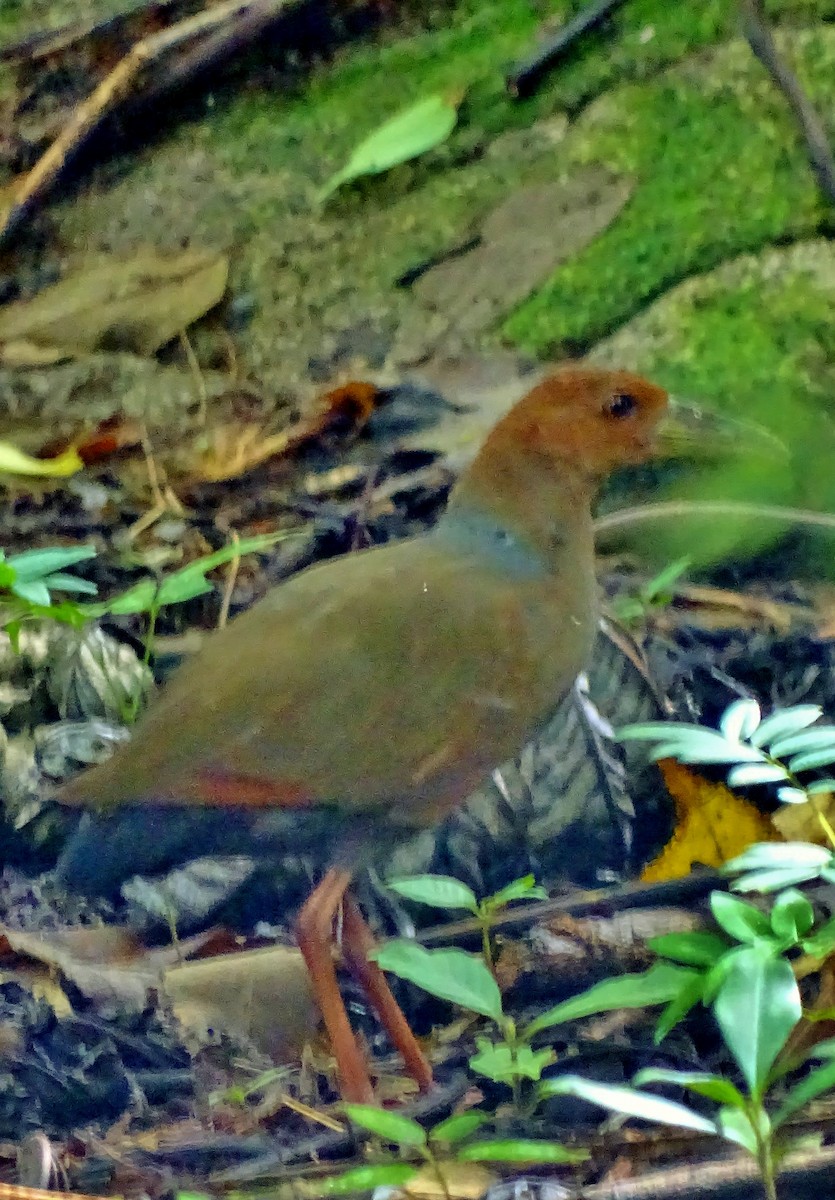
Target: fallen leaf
15	462
407	135
237	993
233	448
713	825
135	304
799	822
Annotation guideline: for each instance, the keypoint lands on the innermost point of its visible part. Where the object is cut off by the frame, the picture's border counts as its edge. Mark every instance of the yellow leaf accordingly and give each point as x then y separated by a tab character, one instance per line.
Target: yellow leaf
15	462
713	825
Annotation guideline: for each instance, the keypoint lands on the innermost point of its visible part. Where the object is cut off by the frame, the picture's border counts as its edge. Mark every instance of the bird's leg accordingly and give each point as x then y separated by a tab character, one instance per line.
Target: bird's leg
314	931
357	942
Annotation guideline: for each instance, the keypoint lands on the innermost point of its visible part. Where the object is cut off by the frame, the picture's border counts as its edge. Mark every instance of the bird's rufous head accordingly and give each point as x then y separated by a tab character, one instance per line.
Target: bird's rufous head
590	418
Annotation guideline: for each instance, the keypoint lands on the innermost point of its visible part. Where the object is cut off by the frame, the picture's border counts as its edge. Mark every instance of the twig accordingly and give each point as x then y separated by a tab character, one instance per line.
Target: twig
524	77
761	40
665	509
229	585
109	94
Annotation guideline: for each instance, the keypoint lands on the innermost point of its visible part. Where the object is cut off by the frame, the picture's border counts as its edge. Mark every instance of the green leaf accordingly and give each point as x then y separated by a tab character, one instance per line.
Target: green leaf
521	1150
628	1101
408	134
791	795
740	720
519	889
814	1085
695	949
459	1127
438	891
819	786
678	1008
59	581
657	985
736	1127
365	1179
790	720
820	943
738	919
757	1006
778	854
33	591
390	1126
810	739
35	564
750	774
713	1087
707	747
792	916
504	1063
449	974
660	731
810	759
773	881
184	584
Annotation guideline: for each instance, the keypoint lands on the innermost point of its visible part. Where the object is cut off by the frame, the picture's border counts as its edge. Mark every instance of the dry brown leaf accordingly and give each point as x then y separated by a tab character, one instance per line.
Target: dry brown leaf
461	1181
261	995
233	449
138	304
712	825
798	822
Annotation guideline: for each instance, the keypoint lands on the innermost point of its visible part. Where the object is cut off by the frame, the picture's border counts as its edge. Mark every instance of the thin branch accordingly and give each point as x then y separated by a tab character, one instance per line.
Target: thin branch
524	77
818	148
665	509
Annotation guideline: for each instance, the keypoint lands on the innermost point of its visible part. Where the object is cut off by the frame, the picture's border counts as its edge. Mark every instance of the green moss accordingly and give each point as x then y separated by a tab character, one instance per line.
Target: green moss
721	171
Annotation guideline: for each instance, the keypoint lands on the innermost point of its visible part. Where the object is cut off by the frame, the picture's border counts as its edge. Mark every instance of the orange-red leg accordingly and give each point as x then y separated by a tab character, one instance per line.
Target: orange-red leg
315	936
357	942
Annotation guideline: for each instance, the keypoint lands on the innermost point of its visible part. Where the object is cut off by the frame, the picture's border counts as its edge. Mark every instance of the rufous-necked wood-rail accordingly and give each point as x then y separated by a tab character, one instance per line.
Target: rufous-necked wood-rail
366	697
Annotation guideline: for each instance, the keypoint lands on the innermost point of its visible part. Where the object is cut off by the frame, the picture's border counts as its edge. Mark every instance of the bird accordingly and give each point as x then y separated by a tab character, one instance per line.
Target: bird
368	696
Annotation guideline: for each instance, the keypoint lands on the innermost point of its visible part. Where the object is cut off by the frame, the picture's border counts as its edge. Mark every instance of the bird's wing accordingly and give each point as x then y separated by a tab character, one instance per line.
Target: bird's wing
396	672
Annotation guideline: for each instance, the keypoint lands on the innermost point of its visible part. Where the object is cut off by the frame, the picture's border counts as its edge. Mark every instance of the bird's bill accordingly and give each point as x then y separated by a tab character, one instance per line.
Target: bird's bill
688	430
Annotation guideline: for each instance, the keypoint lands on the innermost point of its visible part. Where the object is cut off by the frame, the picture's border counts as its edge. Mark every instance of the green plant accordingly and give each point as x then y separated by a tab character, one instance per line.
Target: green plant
653	594
777	750
446	892
449	1141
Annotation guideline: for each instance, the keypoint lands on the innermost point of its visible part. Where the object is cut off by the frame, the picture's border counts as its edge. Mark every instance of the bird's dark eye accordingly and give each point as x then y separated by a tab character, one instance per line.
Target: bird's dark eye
620	406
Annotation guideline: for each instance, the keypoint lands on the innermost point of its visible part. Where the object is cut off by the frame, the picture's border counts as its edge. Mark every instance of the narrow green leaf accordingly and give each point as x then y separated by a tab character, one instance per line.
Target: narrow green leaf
779	854
773	881
504	1064
819	787
814	1085
521	1150
34	564
751	774
713	1087
790	720
809	739
365	1179
657	985
691	994
659	731
811	759
438	891
740	720
520	889
694	949
406	135
390	1126
707	747
757	1006
628	1101
459	1127
449	974
742	921
60	581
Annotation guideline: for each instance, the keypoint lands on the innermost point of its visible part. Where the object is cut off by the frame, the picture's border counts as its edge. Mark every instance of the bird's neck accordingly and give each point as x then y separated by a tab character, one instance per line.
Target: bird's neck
543	509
